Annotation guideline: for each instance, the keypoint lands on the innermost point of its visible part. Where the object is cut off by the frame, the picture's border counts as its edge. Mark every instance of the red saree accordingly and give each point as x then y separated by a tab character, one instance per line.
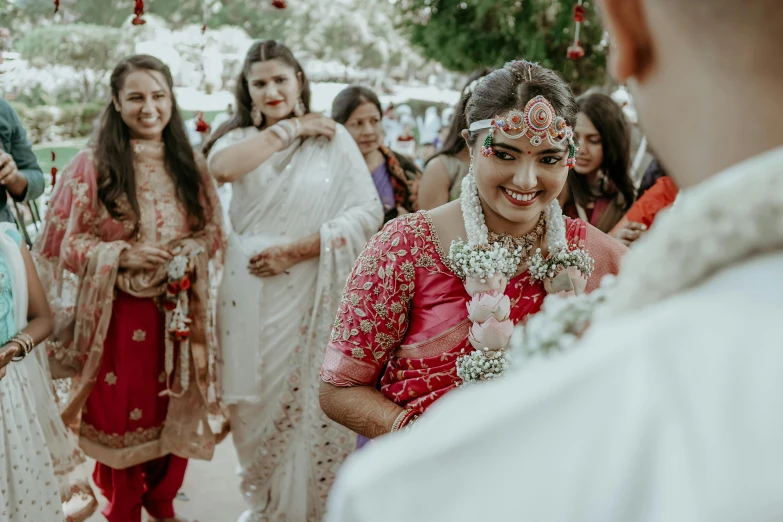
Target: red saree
109	329
402	321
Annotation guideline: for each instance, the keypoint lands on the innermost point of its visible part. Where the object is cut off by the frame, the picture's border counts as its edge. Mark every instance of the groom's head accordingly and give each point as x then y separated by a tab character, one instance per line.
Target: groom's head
707	77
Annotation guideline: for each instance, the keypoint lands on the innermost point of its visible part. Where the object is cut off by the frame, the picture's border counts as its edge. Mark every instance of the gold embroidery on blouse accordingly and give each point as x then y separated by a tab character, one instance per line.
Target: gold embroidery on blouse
424	260
369	264
110	379
139	336
135	414
381	288
380	310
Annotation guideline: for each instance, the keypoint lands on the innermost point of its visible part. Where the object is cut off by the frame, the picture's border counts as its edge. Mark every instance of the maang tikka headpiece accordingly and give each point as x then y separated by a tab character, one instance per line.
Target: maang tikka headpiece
536	121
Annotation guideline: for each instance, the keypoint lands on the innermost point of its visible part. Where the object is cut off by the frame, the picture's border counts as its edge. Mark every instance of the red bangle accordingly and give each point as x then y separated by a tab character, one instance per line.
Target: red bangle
403	419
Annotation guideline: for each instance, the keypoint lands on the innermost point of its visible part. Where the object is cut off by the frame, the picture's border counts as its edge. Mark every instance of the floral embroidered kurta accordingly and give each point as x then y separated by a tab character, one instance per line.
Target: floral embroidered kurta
403	322
78	259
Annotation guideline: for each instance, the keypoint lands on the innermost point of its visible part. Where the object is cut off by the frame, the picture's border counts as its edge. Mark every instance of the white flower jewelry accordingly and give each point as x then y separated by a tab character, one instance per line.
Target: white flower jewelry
481	365
559	323
560	257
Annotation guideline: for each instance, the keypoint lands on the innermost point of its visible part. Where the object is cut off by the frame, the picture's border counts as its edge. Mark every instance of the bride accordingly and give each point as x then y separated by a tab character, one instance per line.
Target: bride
303	206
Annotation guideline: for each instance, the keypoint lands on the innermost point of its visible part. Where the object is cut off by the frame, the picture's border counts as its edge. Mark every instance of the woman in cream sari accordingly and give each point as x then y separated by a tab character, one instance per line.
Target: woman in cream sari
302	209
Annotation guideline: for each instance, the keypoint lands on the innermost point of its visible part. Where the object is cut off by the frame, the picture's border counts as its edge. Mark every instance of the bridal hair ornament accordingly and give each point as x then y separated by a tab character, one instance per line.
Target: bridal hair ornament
537	121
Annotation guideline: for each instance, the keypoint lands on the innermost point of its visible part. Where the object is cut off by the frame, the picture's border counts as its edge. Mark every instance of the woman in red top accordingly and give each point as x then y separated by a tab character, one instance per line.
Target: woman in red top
403	322
642	214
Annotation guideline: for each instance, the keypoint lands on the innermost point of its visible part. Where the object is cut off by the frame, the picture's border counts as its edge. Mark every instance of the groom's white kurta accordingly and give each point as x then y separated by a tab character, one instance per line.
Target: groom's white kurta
672	412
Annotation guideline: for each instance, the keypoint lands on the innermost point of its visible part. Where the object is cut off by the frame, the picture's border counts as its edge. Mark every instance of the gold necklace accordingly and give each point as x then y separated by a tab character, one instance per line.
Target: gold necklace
526	242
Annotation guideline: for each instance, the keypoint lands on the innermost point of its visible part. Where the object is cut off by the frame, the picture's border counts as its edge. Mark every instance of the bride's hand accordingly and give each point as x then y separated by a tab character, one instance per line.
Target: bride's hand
272	261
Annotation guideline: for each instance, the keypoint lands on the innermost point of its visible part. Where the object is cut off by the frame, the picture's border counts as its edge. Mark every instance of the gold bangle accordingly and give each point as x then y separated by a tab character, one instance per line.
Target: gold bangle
402	419
398	420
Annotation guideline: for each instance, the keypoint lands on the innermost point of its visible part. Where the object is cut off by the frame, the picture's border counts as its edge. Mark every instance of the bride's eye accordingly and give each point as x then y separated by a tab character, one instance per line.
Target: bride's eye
551	160
504	156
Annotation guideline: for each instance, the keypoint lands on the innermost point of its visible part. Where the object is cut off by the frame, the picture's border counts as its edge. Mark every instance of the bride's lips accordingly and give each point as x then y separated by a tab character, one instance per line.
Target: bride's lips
274	103
520	203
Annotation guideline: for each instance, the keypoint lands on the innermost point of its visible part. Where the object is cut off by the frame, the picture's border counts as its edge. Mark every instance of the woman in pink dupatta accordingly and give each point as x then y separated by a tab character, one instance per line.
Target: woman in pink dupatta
123	214
403	319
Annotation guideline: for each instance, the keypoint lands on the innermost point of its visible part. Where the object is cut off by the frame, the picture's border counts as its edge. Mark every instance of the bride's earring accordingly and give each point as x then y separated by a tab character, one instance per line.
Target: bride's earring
299	108
256	116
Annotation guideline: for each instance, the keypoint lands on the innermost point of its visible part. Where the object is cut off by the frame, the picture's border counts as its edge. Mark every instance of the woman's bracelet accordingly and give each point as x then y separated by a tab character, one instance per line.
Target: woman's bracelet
287	131
403	419
25	343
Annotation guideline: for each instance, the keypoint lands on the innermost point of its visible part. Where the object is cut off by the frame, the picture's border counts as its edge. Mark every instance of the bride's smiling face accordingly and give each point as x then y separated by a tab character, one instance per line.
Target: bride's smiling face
520	180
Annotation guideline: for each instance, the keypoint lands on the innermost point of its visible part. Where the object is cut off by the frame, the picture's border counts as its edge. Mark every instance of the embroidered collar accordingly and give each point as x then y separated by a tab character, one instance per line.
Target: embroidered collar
734	216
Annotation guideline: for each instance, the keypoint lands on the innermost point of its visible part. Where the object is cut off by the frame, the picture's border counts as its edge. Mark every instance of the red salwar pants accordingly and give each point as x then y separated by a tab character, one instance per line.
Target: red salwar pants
125	414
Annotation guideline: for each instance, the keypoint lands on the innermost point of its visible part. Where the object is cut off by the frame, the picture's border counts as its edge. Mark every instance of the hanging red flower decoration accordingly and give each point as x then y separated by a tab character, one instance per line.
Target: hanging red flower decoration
54	174
575	52
138	10
203	28
280	4
56	6
201	125
579	13
54	155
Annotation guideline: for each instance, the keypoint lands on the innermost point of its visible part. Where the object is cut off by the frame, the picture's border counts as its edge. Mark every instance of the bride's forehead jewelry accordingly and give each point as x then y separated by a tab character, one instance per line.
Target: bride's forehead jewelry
537	121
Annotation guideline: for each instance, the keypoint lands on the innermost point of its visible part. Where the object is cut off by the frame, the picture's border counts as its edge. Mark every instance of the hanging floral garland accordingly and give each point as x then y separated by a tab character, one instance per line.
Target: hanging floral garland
280	4
138	12
576	51
56	6
53	170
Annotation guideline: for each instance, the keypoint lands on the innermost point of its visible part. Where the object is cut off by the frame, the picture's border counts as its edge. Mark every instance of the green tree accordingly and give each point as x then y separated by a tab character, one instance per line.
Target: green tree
81	46
464	35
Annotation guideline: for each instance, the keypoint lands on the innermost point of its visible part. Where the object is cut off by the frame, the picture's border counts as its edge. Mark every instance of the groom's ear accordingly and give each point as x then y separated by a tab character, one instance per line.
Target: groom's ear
631	50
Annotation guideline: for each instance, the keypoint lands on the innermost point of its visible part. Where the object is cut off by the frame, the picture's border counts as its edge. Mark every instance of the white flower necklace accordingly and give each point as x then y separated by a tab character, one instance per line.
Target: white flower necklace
486	269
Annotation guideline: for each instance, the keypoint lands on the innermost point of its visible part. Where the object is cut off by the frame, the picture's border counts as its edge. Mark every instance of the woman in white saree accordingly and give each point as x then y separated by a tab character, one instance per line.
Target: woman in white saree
303	206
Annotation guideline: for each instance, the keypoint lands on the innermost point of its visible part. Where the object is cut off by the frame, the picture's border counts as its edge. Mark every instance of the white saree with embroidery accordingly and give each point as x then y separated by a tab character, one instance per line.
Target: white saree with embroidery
109	327
273	331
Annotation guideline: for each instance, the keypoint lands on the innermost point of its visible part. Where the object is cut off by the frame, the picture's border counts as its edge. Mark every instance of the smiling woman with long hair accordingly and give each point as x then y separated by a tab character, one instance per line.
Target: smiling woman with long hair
600	189
133	228
303	206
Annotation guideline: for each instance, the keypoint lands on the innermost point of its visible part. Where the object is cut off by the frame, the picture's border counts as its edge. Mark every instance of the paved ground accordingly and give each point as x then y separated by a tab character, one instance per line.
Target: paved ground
211	489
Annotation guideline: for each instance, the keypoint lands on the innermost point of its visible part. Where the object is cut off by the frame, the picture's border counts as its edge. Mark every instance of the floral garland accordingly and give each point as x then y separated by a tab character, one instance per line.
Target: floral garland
486	269
178	318
560	322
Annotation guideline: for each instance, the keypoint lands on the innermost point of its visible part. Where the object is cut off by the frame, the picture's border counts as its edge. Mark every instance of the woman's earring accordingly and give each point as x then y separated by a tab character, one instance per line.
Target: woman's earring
256	116
299	108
